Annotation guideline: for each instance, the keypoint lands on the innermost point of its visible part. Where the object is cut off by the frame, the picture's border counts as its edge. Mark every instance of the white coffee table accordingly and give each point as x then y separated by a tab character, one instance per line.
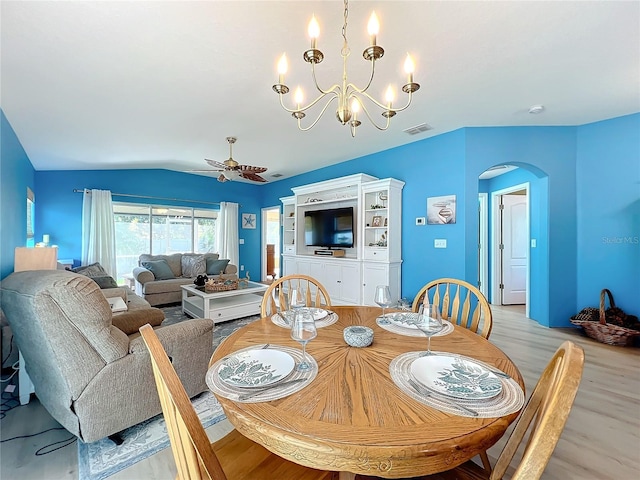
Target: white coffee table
223	306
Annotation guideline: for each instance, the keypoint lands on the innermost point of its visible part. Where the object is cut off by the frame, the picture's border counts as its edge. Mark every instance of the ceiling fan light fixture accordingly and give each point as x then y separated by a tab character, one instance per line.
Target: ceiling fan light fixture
231	174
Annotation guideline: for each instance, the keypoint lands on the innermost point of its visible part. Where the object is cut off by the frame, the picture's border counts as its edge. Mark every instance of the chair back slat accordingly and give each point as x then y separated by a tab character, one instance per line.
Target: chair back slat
195	458
544	416
459	302
314	292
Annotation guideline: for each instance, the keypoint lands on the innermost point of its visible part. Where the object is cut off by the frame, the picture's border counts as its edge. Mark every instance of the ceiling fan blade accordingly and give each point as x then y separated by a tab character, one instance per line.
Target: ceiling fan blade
203	171
213	163
251	169
222	178
252	176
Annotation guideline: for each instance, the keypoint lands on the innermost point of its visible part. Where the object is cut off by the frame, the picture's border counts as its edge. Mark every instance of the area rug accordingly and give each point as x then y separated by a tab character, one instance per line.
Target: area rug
101	459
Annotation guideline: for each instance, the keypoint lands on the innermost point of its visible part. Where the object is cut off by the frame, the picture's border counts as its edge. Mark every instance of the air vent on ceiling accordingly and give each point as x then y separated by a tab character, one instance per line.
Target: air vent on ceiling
423	127
276	175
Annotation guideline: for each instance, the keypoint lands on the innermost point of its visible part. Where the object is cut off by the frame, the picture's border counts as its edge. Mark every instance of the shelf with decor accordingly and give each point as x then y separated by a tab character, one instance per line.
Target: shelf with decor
288	224
381	222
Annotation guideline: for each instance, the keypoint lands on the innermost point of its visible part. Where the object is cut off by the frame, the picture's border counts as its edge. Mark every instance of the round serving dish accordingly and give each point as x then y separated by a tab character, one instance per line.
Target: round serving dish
358	336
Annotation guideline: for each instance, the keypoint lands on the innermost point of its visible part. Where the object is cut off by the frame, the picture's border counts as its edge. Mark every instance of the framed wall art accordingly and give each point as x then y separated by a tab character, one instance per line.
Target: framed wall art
441	210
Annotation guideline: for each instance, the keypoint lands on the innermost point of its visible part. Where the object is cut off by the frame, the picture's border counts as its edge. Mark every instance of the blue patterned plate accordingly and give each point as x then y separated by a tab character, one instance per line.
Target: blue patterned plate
456	377
256	368
404	319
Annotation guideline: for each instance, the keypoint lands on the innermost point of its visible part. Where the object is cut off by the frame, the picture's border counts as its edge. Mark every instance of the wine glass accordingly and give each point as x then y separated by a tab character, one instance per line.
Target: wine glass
296	298
429	322
303	331
383	298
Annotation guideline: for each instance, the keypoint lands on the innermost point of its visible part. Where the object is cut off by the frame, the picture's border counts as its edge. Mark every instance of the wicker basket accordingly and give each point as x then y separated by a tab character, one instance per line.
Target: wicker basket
594	323
221	286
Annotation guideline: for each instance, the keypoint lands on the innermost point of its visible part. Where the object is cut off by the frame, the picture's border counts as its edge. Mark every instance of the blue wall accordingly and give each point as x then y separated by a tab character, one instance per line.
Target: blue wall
59	209
16	174
608	213
586	196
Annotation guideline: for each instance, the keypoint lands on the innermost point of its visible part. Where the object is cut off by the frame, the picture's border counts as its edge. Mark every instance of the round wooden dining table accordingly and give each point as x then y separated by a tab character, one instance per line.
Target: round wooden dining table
353	418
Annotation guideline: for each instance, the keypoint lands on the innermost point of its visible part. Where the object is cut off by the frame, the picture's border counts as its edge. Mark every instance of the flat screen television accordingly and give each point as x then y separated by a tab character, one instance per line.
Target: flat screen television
329	228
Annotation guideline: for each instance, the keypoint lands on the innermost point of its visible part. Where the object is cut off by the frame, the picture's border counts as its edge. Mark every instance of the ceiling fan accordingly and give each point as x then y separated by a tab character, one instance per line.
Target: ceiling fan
230	169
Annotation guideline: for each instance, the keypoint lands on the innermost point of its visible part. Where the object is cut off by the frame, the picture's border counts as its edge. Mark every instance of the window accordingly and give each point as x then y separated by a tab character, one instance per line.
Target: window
31	207
161	231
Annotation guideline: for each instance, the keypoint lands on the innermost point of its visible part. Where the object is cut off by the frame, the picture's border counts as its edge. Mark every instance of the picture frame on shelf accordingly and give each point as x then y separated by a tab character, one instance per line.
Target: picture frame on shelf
376	221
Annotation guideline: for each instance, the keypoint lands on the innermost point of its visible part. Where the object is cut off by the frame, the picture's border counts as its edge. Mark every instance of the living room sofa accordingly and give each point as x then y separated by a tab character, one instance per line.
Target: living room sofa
184	268
91	369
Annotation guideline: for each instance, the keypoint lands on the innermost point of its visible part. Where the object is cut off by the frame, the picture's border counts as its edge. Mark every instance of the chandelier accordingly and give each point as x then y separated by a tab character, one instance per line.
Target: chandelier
349	97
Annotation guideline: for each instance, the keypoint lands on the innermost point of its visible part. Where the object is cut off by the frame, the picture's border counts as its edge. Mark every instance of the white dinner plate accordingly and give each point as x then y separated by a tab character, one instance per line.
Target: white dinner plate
456	377
256	368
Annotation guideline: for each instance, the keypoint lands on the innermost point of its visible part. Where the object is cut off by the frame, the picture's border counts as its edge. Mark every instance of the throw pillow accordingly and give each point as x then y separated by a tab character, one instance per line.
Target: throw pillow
159	268
193	265
214	267
105	281
93	270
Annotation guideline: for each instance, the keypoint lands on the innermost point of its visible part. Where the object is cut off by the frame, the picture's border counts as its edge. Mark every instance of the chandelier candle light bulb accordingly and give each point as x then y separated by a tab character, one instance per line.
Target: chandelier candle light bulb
346	94
373	27
409	67
314	31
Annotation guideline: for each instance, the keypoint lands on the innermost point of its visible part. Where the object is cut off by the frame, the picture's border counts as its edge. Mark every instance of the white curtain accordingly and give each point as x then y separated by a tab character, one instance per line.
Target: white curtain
98	230
227	233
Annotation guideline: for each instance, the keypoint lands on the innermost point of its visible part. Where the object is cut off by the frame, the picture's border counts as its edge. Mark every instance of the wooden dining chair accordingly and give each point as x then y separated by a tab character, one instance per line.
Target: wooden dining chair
460	303
230	458
276	299
544	417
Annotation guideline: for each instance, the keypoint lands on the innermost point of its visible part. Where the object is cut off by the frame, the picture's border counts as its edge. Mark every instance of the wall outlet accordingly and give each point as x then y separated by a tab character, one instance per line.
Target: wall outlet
420	220
242	241
242	268
440	243
534	243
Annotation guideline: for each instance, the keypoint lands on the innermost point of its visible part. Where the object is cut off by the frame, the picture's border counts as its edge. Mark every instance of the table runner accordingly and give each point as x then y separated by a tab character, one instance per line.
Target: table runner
509	400
217	386
410	332
330	319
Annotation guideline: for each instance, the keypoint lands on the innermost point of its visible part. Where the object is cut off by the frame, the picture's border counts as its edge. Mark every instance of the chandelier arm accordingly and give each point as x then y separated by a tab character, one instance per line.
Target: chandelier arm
373	67
381	105
315	82
331	91
364	108
319	115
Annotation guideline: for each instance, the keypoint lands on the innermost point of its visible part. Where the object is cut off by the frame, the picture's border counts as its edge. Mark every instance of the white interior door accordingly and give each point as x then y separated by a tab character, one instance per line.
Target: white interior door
515	252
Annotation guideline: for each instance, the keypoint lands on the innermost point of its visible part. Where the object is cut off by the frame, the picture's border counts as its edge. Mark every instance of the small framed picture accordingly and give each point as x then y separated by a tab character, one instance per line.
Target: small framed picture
376	221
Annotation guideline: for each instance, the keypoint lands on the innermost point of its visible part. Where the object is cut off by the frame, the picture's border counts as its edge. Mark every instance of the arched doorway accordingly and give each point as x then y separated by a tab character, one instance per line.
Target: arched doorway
513	244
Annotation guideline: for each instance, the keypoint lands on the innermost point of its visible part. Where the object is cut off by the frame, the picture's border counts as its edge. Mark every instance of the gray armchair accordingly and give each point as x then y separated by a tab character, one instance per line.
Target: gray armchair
91	376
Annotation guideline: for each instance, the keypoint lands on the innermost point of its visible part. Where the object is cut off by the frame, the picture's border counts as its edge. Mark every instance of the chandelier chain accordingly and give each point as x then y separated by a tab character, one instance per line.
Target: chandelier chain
345	45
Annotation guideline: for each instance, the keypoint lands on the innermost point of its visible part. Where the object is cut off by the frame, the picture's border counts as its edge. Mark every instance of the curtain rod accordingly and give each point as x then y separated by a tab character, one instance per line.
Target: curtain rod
76	190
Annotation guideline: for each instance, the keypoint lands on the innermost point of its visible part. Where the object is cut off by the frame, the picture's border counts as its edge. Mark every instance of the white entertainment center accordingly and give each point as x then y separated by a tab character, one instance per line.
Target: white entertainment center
376	255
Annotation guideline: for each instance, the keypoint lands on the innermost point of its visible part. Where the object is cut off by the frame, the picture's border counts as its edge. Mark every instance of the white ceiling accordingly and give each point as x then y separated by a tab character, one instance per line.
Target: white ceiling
113	85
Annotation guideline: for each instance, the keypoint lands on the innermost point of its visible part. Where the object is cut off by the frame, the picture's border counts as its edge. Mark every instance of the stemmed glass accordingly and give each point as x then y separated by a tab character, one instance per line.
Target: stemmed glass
429	322
383	298
303	331
296	298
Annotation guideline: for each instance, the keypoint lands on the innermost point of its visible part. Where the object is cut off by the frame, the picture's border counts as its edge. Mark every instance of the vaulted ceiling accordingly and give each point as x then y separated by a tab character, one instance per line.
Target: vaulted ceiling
113	85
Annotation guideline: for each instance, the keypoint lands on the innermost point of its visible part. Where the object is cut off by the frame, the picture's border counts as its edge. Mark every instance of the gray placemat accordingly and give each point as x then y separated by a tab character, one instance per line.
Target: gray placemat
217	386
329	319
509	400
412	332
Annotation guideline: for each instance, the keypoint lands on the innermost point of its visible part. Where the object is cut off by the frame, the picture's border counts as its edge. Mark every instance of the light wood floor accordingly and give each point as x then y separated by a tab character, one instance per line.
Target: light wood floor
601	440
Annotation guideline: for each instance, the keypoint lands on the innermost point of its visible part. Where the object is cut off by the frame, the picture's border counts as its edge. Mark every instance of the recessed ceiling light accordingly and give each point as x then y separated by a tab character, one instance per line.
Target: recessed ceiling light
535	109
